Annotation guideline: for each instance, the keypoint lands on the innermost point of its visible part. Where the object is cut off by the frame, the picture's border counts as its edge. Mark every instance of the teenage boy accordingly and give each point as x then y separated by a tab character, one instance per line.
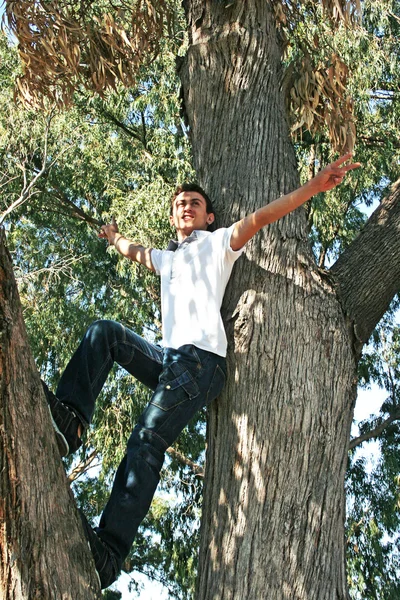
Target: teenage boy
186	373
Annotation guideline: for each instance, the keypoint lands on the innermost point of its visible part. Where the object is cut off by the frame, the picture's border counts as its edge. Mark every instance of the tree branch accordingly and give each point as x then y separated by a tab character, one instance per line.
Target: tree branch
144	130
82	467
62	266
368	272
374	433
35	497
27	189
75	210
197	470
373	141
132	133
44	168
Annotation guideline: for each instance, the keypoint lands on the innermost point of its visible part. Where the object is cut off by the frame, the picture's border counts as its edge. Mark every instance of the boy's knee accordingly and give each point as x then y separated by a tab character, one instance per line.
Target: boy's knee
143	443
102	329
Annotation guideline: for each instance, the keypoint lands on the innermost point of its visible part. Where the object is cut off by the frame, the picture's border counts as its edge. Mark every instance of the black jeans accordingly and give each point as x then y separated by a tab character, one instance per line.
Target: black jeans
183	380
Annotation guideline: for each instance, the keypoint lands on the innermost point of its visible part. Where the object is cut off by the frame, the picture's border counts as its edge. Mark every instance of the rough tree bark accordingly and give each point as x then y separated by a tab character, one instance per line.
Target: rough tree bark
43	552
274	502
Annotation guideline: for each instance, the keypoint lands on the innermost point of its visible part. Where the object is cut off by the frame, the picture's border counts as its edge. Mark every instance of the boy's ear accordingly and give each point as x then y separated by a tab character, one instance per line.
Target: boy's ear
171	220
210	218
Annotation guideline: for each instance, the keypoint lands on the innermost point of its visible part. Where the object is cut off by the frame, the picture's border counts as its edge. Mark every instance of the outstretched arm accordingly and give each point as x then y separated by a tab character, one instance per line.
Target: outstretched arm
327	179
127	248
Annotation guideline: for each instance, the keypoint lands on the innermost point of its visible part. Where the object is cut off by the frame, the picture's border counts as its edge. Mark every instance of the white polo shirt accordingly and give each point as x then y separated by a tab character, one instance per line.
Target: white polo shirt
193	282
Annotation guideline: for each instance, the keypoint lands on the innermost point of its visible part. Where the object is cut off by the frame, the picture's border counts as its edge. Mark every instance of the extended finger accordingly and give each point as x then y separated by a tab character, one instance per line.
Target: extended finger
351	167
342	159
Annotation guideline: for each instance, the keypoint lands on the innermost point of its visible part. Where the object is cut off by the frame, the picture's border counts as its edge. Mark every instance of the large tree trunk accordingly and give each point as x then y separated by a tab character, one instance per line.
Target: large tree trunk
42	548
274	503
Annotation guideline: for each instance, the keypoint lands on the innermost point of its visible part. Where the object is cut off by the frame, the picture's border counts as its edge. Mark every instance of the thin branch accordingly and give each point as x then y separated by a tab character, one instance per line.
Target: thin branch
8	181
27	191
65	213
124	127
61	266
144	129
322	257
33	193
23	169
391	14
197	470
374	433
375	140
82	467
76	211
383	94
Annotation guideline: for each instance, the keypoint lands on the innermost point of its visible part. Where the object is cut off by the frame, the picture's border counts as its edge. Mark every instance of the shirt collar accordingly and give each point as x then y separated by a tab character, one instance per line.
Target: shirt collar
198	234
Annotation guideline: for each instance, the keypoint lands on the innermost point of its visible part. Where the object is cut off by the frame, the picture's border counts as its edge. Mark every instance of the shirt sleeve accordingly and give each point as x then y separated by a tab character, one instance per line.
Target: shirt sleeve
157	259
231	255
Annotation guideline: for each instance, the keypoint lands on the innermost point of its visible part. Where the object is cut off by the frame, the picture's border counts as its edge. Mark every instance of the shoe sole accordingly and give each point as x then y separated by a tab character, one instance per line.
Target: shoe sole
62	443
96	571
98	577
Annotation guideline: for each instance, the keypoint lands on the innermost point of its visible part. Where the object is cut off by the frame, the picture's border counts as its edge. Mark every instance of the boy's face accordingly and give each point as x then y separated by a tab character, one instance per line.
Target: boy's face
189	212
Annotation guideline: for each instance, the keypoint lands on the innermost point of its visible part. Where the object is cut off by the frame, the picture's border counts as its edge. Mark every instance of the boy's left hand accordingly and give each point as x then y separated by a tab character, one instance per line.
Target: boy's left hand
333	174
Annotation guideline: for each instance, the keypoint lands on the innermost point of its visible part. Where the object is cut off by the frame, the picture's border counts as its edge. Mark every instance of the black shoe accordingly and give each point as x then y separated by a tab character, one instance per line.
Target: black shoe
105	560
65	423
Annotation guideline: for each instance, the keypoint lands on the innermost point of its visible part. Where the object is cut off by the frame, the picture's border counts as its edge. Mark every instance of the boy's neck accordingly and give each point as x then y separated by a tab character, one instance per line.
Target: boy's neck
182	235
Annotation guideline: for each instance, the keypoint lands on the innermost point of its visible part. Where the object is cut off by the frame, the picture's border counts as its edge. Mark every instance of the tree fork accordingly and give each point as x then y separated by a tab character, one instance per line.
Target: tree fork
364	301
43	552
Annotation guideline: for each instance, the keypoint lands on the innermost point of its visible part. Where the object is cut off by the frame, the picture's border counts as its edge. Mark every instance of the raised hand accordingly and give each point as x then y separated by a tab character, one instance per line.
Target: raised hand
108	231
333	174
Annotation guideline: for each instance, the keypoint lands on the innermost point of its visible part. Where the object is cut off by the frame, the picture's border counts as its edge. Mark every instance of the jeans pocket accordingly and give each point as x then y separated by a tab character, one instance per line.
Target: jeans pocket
217	384
176	385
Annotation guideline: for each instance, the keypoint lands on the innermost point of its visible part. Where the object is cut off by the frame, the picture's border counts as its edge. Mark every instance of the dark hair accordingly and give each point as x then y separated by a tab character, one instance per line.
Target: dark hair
193	187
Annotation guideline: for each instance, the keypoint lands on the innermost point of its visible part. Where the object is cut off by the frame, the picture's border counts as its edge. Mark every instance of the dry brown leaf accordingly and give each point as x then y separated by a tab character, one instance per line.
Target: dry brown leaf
56	38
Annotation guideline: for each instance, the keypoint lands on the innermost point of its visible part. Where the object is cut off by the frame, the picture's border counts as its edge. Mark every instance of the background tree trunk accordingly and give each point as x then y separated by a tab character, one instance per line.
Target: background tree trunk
43	552
274	503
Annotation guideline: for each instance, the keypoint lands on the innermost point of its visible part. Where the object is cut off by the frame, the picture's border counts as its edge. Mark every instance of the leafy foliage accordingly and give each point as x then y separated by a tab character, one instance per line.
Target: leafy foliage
373	522
112	595
99	44
371	50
